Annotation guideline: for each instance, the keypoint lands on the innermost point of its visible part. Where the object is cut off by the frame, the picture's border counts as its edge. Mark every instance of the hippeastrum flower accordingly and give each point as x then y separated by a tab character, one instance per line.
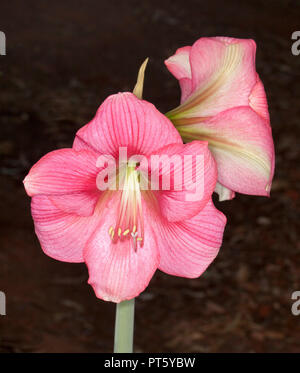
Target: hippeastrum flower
223	101
125	234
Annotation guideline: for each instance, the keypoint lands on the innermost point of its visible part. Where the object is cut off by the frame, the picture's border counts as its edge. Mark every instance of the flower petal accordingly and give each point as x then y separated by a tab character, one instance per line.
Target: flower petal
258	100
223	76
179	66
62	236
69	177
116	271
123	120
82	204
241	142
184	176
61	172
187	248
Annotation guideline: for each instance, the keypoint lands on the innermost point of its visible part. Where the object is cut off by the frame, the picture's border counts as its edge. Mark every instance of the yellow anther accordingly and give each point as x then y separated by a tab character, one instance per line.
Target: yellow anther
125	232
139	239
134	229
119	232
110	230
112	234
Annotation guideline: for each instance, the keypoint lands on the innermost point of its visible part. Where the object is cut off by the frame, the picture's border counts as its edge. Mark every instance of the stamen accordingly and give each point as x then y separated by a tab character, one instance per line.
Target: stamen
134	240
130	214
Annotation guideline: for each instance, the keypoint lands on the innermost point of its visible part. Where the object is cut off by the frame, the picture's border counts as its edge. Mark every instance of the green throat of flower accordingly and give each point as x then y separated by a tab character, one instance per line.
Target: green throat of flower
130	222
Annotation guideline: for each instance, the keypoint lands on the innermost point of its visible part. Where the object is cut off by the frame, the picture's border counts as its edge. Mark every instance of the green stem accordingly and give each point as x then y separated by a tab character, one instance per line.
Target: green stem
124	326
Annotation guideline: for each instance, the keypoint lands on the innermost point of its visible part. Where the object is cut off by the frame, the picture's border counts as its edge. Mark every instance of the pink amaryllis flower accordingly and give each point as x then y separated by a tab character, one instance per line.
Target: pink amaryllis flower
223	101
125	234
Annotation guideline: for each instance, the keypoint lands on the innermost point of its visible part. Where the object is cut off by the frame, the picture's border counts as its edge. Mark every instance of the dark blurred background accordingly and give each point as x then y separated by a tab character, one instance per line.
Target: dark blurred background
63	59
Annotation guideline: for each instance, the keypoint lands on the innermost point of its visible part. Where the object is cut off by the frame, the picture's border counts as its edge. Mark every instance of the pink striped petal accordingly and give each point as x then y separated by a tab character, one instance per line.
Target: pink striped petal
82	203
62	236
241	142
179	66
187	248
62	171
116	271
187	176
258	100
123	120
223	76
69	177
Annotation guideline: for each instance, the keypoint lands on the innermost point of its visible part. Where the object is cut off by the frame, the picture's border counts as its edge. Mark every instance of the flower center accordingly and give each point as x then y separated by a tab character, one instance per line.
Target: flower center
130	223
